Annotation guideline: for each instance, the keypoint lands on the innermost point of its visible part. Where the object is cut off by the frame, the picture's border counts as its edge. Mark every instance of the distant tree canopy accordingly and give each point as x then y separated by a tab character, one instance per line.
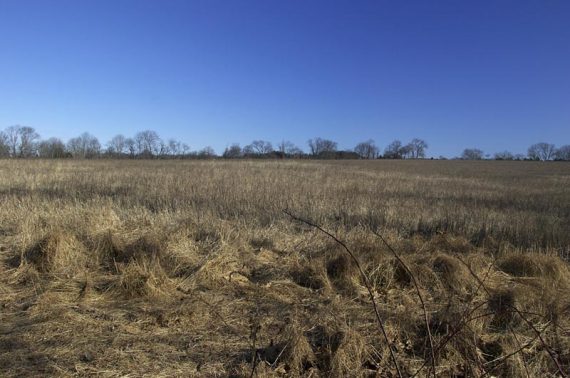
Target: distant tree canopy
52	148
416	149
24	142
504	155
541	151
563	153
322	148
472	154
84	146
367	150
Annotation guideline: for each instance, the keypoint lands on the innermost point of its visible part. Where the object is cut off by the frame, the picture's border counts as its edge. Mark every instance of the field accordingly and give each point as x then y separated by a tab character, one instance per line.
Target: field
192	268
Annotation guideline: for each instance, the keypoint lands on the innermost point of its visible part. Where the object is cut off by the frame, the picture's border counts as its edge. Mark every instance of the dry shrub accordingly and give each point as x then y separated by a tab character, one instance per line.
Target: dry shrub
59	253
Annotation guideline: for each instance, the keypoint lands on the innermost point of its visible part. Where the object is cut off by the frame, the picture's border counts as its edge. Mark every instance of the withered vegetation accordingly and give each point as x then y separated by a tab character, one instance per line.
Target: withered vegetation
150	268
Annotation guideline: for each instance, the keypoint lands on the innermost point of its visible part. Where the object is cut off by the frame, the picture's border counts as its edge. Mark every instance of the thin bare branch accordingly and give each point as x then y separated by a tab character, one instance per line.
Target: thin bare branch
364	278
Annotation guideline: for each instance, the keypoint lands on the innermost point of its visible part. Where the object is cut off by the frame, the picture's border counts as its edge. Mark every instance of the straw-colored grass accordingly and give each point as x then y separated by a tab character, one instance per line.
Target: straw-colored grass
172	268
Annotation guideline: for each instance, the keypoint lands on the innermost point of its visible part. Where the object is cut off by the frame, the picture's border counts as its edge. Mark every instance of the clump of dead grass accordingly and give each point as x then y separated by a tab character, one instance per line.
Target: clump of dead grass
140	279
453	274
59	252
535	265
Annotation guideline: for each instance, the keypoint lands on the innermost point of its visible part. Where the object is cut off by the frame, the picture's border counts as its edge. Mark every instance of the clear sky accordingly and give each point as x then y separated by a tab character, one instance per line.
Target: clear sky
488	74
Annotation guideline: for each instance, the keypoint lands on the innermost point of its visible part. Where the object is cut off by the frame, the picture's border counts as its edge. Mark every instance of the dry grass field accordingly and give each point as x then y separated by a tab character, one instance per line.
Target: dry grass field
191	268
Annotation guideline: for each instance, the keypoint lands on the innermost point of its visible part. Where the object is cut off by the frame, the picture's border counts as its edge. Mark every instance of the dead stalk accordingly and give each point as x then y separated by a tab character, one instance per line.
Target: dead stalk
422	302
364	278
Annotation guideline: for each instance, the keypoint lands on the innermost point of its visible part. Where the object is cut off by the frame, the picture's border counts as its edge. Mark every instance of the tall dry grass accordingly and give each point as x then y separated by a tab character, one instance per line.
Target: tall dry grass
191	268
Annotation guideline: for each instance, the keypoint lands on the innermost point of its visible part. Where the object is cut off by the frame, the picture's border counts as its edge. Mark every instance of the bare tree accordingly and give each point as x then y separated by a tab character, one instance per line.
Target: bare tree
148	143
13	139
131	147
541	151
185	149
320	147
4	147
207	152
174	147
248	151
117	145
393	150
407	151
504	155
418	148
367	149
262	147
233	151
52	148
22	140
563	153
287	148
84	146
472	154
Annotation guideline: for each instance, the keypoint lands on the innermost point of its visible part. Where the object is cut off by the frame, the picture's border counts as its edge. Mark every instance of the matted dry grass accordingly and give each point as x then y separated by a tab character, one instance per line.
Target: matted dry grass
148	268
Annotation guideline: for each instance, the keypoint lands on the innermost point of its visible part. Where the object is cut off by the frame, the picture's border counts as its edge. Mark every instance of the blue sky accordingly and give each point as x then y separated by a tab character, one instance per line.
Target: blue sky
487	74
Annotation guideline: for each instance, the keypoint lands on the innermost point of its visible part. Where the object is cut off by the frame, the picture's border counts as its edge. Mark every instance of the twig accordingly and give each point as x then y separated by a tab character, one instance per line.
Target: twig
464	320
364	278
426	317
544	344
502	359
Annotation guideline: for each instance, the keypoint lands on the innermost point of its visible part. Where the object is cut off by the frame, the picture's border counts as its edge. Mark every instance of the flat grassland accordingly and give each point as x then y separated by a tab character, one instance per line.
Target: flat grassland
192	268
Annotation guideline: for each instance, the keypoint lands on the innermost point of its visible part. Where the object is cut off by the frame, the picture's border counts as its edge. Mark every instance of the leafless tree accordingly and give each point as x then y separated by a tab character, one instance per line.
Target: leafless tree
563	153
233	151
287	148
51	148
541	151
407	151
147	143
393	150
185	149
13	139
262	147
418	148
131	146
117	145
174	147
84	146
367	149
472	154
22	140
4	147
320	147
207	152
504	155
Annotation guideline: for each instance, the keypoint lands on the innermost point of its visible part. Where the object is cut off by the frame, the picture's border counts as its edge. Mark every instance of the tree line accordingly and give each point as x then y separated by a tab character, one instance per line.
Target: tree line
24	142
